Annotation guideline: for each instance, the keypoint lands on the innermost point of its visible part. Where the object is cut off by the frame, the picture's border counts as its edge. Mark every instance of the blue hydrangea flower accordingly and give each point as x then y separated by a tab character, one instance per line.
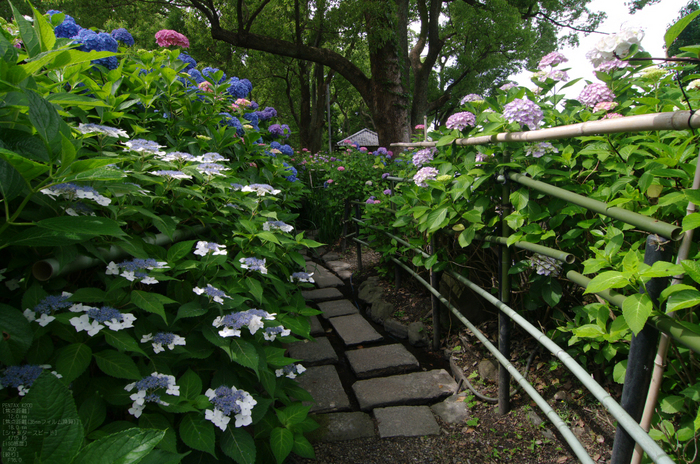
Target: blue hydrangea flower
267	113
168	339
123	36
212	292
185	58
239	88
273	332
226	401
292	169
254	264
233	323
22	377
287	150
67	29
148	391
290	371
233	123
135	269
209	72
95	319
47	307
301	277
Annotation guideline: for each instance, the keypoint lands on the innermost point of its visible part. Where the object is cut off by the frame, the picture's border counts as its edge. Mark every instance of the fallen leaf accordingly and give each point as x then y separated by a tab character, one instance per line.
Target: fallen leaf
562	459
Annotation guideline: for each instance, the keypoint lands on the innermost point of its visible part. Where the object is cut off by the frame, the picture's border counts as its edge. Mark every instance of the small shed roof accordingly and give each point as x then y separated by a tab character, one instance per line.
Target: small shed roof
363	138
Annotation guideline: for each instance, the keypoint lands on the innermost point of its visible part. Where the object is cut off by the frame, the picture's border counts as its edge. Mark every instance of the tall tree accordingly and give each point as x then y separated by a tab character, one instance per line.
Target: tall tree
475	35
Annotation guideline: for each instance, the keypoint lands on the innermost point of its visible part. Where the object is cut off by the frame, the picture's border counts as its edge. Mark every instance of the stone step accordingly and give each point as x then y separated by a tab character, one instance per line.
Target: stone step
322	294
322	276
323	383
342	426
415	388
381	361
313	353
355	330
406	421
316	327
337	308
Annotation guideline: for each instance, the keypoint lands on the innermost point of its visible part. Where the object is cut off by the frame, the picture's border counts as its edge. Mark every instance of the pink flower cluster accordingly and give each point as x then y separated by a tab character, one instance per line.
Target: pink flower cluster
552	59
167	37
595	93
524	112
423	175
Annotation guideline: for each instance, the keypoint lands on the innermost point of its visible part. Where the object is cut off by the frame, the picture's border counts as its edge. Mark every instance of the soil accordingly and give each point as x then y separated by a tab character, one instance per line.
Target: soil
520	436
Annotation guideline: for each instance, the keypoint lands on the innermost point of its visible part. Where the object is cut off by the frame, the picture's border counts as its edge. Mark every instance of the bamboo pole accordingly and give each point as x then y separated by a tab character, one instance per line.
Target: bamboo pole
676	120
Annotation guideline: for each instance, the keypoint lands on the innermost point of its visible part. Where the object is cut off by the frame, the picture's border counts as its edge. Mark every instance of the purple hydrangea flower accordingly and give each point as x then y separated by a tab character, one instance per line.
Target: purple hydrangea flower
539	149
595	93
226	401
472	97
233	323
423	175
423	156
524	112
611	65
267	113
461	120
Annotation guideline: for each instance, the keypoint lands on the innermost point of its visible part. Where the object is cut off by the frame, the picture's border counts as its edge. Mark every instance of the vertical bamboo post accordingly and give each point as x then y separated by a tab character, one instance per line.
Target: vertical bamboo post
346	218
434	301
358	216
640	360
425	128
503	320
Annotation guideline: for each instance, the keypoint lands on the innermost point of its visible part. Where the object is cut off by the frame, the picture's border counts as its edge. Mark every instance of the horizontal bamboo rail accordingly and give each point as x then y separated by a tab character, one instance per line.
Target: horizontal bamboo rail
676	120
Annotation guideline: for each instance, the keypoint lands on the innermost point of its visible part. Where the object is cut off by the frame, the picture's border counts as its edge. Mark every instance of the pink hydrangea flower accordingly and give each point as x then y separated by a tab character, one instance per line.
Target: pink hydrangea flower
524	112
167	37
552	59
329	181
595	93
613	116
423	175
341	169
205	86
419	127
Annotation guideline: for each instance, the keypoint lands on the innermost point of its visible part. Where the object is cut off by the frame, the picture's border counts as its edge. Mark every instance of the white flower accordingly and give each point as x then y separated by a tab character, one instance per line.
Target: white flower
43	320
112	268
217	417
126	323
83	323
261	189
204	248
12	284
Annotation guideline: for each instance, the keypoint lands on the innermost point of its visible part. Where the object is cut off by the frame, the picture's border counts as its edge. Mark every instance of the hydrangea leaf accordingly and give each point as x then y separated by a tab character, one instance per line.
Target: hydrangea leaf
54	432
73	360
198	433
117	365
159	422
27	168
675	30
683	299
125	447
293	414
239	445
92	412
606	280
281	442
149	302
302	447
11	182
87	225
190	385
620	371
245	354
17	335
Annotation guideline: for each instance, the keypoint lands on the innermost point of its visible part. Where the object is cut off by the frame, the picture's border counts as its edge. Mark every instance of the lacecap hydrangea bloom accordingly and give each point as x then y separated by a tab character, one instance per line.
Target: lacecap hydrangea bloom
212	292
277	225
148	390
290	371
254	264
261	189
161	339
136	269
226	401
94	318
106	130
595	93
524	112
47	307
22	377
301	277
144	146
233	323
168	37
205	248
271	333
73	191
461	120
423	175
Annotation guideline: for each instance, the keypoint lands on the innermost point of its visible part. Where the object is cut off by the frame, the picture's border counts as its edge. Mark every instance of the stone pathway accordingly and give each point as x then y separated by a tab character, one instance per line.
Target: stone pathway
364	384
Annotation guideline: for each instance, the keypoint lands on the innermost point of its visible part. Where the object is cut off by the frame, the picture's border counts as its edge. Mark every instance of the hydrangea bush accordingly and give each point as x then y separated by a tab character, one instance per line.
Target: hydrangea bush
150	267
454	192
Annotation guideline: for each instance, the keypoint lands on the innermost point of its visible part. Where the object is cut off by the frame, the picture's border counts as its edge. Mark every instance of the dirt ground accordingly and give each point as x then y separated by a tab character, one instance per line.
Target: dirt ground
519	436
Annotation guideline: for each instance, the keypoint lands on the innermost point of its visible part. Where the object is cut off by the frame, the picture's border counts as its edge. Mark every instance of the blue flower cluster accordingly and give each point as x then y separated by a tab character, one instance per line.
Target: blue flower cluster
90	40
293	176
253	119
53	303
105	313
191	63
209	73
16	376
267	114
285	149
123	36
239	88
233	122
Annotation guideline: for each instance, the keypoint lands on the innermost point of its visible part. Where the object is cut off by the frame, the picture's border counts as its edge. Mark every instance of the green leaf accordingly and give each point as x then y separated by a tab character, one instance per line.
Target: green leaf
27	168
179	250
692	393
92	412
281	442
519	199
198	433
636	309
255	288
122	341
191	309
54	432
683	299
552	293
47	38
11	182
269	236
302	447
239	445
245	354
662	269
466	237
620	371
692	268
606	280
159	422
125	447
37	237
17	335
675	30
691	221
27	33
672	404
150	302
73	360
190	385
293	414
117	365
588	331
436	219
44	117
160	456
87	225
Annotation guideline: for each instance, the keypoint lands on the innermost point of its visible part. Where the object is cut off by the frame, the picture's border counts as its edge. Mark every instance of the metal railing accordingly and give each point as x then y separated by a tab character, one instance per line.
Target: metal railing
628	428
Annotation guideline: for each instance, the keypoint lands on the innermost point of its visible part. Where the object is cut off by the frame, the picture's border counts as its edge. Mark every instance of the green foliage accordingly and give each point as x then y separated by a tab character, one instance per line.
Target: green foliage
80	203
